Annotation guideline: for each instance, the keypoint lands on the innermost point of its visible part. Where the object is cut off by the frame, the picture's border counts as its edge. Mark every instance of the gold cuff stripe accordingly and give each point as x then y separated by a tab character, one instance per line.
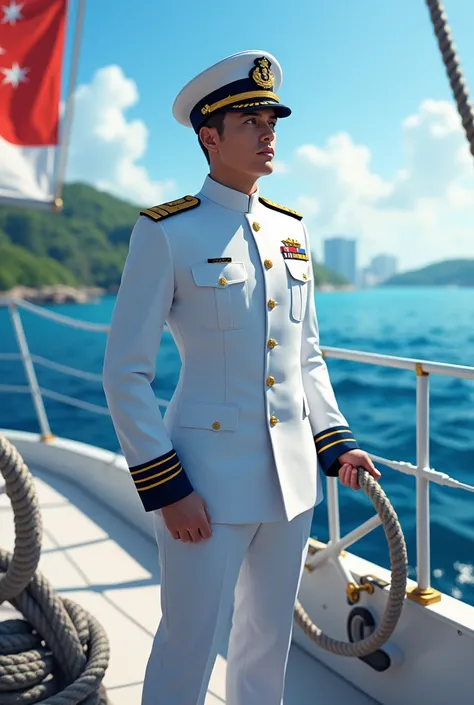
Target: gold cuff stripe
207	109
335	443
160	482
158	474
153	465
331	433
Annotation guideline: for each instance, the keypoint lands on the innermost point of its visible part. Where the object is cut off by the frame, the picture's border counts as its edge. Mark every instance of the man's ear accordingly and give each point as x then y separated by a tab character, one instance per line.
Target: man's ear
209	138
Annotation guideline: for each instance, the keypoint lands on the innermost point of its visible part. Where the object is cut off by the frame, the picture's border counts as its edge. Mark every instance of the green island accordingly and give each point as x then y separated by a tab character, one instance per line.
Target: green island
455	272
78	252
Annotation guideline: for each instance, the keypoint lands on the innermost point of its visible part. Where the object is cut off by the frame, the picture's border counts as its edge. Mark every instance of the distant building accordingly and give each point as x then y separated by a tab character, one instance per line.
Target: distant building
383	267
340	257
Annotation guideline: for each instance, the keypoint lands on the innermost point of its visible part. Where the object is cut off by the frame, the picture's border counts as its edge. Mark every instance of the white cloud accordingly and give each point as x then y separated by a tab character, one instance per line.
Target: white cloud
105	147
423	214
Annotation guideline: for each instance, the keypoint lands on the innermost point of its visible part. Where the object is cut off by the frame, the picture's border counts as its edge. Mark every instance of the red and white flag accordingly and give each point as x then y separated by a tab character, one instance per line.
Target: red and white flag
31	54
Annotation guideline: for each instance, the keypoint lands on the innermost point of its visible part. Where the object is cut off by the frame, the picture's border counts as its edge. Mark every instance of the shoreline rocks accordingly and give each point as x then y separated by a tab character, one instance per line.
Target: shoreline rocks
56	294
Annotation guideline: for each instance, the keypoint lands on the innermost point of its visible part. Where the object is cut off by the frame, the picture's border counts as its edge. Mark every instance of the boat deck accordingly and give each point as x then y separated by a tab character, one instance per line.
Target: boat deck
92	556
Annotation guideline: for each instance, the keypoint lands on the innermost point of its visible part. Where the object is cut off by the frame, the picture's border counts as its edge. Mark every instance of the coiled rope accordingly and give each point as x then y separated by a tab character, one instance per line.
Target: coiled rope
451	62
59	654
396	597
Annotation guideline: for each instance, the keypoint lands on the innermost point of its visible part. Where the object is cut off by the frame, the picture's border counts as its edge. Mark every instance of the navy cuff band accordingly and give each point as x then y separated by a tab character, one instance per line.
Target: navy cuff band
330	444
161	481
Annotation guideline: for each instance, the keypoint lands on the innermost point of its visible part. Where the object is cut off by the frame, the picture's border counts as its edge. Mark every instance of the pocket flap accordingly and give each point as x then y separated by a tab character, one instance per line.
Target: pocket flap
209	274
299	269
214	417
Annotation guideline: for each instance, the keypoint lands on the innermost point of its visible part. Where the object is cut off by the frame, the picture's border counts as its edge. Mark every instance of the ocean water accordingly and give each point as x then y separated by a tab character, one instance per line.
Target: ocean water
379	403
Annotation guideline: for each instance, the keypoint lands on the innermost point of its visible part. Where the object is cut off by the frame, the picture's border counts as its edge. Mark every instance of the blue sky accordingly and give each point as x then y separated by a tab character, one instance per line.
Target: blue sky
352	67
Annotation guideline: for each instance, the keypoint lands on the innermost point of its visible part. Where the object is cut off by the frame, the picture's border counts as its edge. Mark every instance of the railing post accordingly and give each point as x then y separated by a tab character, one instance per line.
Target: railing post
30	373
424	594
333	510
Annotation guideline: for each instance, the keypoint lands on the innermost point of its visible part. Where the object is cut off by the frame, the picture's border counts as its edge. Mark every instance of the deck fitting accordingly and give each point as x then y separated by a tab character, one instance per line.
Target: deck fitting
426	596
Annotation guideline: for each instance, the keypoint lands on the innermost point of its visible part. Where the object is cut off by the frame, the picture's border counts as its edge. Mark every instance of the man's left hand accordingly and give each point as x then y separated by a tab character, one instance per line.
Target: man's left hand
350	461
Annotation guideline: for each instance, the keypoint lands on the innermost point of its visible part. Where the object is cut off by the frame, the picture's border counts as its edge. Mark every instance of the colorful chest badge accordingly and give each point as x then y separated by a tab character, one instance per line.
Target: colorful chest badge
292	249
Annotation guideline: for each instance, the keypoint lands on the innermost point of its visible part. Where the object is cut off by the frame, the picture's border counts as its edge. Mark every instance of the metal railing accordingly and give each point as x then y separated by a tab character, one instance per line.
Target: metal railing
422	472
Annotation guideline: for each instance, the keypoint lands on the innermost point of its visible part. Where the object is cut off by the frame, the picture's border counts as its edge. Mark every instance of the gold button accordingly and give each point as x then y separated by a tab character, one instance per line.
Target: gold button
222	281
270	381
271	343
216	425
256	227
271	303
268	264
304	276
273	420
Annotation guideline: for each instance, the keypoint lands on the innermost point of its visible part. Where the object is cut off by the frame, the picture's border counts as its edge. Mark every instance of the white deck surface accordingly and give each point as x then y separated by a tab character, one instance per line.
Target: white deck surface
93	557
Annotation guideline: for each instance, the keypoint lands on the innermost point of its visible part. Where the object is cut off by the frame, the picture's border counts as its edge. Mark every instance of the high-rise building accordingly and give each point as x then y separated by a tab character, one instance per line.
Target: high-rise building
340	257
383	267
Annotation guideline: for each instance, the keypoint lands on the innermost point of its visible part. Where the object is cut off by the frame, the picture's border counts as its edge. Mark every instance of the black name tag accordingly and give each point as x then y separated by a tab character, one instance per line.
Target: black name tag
219	260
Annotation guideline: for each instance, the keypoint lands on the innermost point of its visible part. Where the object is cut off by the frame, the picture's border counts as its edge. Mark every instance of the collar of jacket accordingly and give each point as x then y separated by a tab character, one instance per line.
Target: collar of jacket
228	197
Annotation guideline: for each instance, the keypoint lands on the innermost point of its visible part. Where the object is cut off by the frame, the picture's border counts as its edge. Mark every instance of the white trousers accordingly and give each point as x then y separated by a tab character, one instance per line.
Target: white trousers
260	565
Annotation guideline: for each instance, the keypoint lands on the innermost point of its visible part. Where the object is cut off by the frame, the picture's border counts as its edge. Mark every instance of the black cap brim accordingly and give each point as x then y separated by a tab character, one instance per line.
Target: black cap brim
281	111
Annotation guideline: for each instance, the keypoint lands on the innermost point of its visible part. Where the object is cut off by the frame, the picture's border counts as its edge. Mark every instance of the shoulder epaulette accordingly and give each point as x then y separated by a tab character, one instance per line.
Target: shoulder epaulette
165	210
281	209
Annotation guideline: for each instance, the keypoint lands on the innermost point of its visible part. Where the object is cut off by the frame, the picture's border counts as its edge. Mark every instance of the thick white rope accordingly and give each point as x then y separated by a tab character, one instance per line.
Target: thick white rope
396	597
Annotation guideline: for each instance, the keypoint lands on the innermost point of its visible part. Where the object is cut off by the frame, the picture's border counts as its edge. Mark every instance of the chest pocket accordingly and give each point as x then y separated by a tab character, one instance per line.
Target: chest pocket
224	294
300	273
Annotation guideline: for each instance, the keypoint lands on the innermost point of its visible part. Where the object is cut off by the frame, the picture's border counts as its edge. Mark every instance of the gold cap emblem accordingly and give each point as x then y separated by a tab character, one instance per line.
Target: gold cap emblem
262	74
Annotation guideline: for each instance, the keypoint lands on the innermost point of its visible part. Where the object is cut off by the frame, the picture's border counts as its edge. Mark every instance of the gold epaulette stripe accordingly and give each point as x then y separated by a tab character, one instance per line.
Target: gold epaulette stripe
165	210
281	209
160	482
331	433
154	465
158	474
335	443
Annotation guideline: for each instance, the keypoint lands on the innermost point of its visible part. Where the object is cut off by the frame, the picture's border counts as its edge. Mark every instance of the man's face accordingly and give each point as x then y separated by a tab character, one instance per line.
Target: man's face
247	144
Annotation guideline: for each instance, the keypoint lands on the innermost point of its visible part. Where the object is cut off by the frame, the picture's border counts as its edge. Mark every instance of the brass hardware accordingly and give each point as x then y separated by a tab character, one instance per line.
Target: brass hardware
48	437
353	591
271	343
256	227
428	596
270	381
222	281
420	371
268	264
273	420
271	304
216	425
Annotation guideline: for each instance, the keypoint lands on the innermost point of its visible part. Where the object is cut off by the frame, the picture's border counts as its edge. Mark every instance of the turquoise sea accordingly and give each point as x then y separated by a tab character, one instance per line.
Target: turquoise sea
432	324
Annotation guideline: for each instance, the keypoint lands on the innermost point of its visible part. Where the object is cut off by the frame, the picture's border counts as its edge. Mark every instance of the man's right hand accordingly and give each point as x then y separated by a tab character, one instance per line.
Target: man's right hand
188	519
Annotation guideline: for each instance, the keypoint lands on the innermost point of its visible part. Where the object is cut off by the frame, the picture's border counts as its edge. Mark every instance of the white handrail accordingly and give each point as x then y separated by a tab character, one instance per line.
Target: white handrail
66	370
401	363
423	474
59	318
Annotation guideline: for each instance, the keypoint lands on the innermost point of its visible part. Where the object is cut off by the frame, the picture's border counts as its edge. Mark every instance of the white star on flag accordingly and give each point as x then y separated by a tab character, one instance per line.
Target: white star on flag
15	75
2	51
12	13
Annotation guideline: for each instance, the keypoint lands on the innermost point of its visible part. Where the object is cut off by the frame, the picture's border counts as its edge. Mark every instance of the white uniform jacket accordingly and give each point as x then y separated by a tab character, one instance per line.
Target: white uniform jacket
253	416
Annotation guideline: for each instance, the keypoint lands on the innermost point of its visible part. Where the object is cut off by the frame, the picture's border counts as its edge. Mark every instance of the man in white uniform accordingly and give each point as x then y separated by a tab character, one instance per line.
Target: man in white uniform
231	472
